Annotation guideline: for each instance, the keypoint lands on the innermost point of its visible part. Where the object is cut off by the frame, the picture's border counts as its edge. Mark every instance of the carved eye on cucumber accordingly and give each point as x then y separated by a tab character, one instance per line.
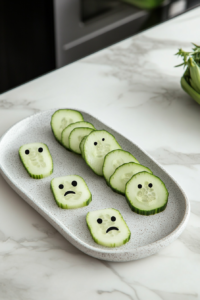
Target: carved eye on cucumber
71	192
97	144
104	156
36	159
108	227
146	194
61	119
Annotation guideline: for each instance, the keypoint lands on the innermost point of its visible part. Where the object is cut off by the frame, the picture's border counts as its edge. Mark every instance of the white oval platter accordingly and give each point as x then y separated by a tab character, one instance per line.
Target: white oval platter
149	234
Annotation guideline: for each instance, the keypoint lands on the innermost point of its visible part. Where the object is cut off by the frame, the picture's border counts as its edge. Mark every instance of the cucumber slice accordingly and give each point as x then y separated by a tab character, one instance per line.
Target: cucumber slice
76	137
97	144
123	174
108	227
61	119
70	192
115	159
36	159
146	194
66	132
81	147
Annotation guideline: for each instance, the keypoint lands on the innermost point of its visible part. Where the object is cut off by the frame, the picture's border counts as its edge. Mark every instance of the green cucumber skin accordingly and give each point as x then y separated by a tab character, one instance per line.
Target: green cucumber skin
108	181
37	176
82	153
115	190
61	143
92	169
71	123
80	143
65	206
88	163
118	191
59	140
55	136
147	212
68	148
144	212
111	245
101	175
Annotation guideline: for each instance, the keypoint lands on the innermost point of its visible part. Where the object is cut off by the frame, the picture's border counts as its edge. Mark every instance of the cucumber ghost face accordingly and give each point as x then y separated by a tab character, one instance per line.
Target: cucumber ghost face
70	192
108	227
96	146
36	159
101	148
146	194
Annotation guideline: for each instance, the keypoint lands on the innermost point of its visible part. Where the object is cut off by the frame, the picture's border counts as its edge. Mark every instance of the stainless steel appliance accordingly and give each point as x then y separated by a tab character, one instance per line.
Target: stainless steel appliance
82	28
86	26
37	36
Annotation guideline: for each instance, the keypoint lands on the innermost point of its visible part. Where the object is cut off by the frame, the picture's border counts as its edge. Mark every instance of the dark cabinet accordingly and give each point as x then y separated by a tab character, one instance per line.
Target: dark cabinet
38	36
26	41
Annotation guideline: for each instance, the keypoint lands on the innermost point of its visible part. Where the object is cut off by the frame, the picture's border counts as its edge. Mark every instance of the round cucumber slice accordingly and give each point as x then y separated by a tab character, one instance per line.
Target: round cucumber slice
61	119
76	136
66	132
97	144
108	227
36	159
123	174
146	194
115	159
81	146
70	192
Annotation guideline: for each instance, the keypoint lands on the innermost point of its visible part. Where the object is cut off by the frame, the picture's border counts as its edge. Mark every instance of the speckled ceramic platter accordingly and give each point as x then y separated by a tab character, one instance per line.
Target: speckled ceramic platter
149	234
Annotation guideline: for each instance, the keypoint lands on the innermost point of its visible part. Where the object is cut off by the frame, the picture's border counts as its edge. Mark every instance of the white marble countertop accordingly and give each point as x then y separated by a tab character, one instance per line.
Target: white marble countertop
133	87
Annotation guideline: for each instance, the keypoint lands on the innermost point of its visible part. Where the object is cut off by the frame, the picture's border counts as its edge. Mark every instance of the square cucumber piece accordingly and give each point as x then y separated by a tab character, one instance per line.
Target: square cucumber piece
108	227
70	192
36	159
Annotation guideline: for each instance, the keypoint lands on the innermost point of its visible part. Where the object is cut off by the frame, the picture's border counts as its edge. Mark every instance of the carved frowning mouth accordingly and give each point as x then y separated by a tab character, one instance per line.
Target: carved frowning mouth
69	192
111	228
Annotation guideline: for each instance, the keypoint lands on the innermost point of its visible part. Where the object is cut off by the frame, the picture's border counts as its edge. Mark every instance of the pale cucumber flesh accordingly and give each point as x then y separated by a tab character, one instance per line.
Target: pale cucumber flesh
66	132
108	227
81	147
97	144
36	159
71	192
114	159
146	194
76	136
62	118
123	174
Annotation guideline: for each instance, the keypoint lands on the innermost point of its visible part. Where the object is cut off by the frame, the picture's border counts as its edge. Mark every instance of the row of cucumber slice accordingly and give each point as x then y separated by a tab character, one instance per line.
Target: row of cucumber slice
146	194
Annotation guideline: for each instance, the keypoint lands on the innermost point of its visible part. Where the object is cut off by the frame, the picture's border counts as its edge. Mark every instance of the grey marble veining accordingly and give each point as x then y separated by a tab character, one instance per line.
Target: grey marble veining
191	239
170	157
133	87
131	64
21	105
